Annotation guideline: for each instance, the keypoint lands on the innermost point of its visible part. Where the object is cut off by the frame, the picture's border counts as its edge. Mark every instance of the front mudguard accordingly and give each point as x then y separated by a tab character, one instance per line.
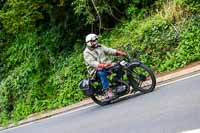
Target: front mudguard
134	63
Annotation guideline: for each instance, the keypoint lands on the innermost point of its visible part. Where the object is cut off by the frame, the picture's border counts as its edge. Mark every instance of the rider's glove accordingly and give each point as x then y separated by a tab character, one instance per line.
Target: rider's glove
102	66
120	53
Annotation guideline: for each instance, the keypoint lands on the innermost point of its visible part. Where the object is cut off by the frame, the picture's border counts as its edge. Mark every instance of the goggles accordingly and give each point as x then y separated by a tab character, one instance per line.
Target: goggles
92	40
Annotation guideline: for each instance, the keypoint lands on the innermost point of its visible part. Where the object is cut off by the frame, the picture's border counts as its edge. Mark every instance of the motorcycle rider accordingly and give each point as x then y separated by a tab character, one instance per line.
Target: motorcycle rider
96	62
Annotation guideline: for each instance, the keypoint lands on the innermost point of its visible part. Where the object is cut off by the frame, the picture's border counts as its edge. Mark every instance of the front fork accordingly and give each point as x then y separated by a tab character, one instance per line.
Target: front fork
132	80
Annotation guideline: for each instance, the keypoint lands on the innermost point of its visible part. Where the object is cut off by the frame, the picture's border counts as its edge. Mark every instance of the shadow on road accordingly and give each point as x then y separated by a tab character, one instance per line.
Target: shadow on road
127	97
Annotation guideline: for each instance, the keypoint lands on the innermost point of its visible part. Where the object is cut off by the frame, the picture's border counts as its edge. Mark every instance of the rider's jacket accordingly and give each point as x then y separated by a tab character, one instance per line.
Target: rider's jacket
96	56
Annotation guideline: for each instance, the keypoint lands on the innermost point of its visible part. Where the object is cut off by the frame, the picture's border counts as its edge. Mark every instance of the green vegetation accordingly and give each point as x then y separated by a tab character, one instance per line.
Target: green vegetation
41	44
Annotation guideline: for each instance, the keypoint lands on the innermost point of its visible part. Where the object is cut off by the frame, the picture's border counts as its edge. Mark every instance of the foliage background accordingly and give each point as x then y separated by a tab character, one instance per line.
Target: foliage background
41	42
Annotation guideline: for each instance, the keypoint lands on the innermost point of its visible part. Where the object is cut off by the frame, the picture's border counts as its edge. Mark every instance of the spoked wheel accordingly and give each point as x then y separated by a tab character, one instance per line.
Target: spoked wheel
142	78
100	99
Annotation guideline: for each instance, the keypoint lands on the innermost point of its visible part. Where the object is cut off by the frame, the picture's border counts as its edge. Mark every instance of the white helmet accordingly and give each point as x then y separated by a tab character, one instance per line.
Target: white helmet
91	40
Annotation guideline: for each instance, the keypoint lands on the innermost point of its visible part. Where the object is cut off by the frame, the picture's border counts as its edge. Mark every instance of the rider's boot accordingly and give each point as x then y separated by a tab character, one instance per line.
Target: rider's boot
109	93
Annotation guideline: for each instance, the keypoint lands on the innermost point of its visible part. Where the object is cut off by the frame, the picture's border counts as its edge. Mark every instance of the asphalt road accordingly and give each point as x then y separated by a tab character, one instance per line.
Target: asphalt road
169	109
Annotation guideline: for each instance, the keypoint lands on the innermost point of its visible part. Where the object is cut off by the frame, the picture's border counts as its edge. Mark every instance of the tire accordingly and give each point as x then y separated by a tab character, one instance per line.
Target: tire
139	74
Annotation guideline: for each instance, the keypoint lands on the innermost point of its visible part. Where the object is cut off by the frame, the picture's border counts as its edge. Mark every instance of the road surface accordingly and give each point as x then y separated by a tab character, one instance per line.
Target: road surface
171	108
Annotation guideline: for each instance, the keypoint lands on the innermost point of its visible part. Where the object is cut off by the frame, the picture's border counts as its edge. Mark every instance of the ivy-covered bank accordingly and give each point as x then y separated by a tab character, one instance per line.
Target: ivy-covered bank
41	47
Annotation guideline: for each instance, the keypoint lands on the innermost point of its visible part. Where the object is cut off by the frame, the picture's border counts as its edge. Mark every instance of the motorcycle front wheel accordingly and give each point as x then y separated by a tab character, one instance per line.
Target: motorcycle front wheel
142	78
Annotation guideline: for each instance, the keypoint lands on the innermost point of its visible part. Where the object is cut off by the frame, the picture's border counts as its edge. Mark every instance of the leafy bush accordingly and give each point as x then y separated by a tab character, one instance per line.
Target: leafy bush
17	16
163	38
37	78
154	36
188	48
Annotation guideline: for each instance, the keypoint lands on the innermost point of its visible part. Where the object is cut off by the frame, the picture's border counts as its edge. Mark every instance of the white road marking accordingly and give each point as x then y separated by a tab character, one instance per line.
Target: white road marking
171	82
58	115
192	131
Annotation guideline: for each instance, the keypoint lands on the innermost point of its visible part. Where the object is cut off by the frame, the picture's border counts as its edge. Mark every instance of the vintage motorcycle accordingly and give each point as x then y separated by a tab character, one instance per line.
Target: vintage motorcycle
126	77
